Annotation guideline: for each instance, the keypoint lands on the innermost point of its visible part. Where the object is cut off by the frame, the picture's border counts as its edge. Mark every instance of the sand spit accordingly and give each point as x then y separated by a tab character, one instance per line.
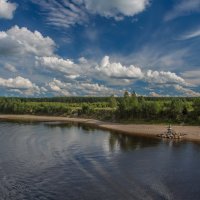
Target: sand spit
191	133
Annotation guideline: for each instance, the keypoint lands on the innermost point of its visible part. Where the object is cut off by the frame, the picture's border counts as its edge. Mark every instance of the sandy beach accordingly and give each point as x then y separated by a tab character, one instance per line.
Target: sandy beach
192	133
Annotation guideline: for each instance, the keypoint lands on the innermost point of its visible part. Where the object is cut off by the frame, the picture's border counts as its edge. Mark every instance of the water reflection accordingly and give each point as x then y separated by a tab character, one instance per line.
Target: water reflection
126	142
62	161
116	140
61	125
174	143
80	126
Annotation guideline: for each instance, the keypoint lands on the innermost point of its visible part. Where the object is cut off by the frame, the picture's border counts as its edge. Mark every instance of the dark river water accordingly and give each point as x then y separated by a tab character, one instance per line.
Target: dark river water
49	161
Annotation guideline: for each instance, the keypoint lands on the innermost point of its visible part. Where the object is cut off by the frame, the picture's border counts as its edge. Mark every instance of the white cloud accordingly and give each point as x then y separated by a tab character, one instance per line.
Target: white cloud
21	41
10	67
7	9
63	13
20	85
59	88
156	57
18	82
68	13
192	76
81	88
95	89
116	8
83	77
84	69
83	60
56	64
190	35
186	91
182	8
112	73
164	78
72	76
154	94
117	70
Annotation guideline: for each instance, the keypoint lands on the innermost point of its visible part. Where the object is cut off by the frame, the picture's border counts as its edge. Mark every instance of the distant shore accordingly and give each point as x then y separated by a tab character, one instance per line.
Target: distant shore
192	132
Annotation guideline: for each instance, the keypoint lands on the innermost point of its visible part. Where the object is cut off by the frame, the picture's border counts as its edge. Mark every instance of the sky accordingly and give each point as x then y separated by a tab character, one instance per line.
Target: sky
99	47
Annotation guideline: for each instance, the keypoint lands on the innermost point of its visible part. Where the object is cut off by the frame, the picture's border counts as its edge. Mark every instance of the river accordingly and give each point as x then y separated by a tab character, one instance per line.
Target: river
55	161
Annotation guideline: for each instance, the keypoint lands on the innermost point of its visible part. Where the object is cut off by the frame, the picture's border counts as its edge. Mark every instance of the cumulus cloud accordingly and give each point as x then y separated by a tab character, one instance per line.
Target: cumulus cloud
60	88
67	68
116	8
112	73
117	70
87	77
68	13
164	78
73	77
186	91
80	88
21	41
20	85
7	9
18	82
183	8
107	71
56	64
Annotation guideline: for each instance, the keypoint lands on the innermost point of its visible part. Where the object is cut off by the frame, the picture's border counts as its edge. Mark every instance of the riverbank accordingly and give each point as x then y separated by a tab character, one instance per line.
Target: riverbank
192	133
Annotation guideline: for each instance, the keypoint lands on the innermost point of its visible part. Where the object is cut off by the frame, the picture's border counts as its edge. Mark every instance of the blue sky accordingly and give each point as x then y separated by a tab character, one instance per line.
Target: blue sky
99	47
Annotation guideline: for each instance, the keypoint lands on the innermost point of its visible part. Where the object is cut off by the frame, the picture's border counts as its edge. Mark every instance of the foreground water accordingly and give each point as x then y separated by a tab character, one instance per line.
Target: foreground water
56	161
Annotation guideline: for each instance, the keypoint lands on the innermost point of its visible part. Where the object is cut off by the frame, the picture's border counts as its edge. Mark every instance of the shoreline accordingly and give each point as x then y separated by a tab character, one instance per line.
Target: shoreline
147	130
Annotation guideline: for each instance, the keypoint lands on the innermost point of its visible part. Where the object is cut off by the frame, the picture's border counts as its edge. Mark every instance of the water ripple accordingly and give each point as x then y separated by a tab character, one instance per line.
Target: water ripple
57	161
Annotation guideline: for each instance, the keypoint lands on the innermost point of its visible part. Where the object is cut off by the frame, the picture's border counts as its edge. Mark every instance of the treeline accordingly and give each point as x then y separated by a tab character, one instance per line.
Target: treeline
100	110
128	108
60	99
87	99
172	110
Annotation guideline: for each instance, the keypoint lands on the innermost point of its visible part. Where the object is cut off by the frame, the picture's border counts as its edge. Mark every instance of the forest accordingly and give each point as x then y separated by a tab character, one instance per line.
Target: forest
127	109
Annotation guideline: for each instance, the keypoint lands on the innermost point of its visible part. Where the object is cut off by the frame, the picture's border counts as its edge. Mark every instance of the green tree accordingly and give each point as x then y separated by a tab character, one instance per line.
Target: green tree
196	109
112	102
126	94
